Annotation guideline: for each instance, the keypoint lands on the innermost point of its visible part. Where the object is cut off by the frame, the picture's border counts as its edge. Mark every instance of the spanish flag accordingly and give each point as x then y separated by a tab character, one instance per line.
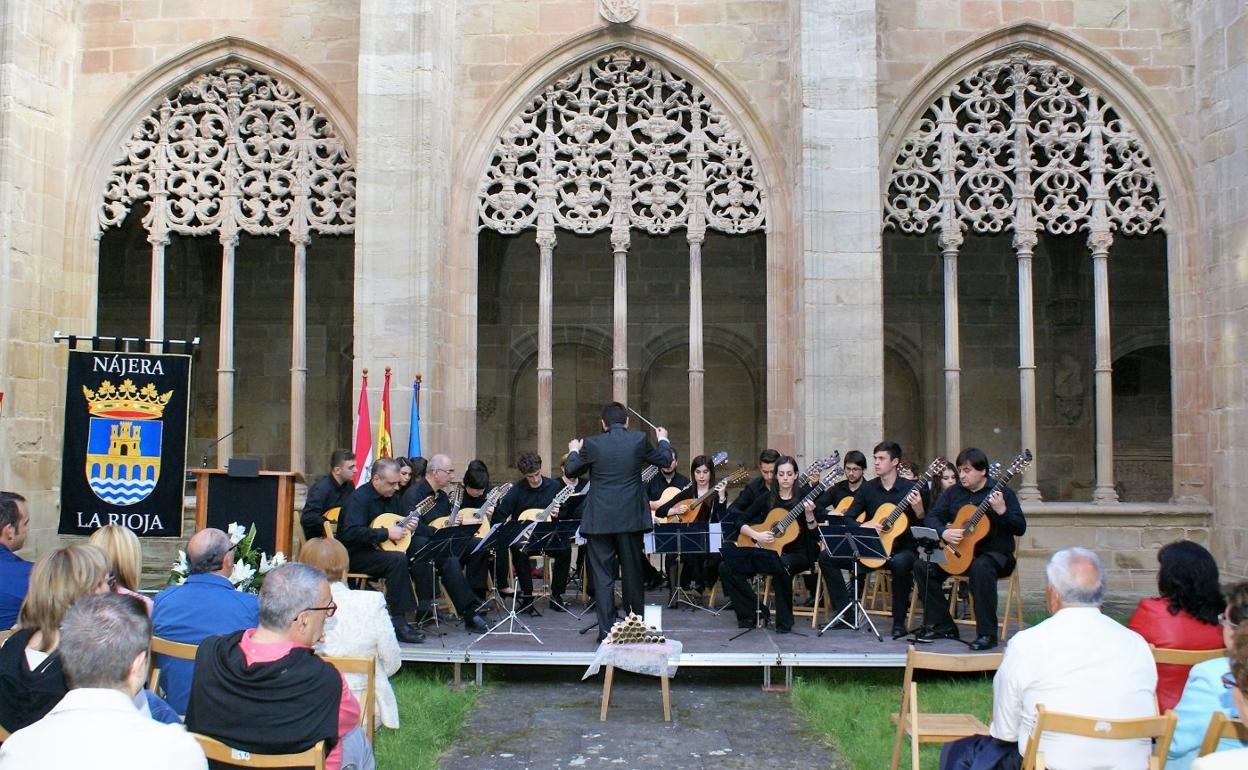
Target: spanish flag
385	448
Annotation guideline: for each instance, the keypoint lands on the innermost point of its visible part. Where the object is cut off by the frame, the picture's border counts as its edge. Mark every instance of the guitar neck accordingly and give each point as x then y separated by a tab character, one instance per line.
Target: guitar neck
809	497
981	510
905	505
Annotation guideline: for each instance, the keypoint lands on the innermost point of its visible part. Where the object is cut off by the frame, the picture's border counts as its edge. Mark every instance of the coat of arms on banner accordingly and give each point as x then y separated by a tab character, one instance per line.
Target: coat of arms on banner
124	440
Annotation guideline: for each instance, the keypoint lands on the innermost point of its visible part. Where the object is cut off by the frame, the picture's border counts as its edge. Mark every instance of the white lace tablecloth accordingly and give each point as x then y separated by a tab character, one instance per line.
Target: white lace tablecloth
653	659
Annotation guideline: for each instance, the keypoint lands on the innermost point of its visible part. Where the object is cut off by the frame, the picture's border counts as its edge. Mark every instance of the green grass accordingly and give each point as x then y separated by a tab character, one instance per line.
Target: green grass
850	709
431	714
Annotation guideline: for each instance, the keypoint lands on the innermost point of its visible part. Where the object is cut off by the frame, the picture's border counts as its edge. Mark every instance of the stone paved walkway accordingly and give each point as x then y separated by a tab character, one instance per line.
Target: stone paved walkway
721	720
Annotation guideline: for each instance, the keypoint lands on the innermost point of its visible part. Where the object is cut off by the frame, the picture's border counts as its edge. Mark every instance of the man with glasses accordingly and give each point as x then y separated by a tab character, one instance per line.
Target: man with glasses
362	540
264	689
435	483
206	604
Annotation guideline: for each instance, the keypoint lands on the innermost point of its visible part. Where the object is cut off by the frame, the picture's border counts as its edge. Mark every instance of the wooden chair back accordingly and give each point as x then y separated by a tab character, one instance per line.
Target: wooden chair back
935	727
1159	729
1184	657
216	751
1222	727
368	667
172	649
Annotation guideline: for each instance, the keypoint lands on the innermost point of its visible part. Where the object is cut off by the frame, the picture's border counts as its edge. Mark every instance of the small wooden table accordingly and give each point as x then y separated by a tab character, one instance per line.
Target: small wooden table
606	695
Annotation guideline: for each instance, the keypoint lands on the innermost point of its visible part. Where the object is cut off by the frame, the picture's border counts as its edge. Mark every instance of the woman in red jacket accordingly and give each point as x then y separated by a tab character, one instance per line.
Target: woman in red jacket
1185	616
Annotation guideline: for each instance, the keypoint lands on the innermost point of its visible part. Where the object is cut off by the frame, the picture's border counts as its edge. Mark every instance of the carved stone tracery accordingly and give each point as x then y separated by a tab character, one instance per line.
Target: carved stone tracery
1021	144
234	150
621	142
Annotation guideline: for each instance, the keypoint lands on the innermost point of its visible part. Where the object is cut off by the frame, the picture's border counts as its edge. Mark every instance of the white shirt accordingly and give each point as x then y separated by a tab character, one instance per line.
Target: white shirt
1236	759
1077	662
101	729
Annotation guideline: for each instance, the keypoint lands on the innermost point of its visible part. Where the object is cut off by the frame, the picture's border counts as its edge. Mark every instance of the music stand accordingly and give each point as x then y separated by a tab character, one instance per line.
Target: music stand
550	536
852	541
505	536
500	535
680	540
930	553
763	561
444	543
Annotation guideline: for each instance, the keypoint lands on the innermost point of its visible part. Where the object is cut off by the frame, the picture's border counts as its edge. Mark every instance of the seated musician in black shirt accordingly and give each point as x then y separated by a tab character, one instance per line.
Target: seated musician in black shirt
448	568
362	541
834	501
328	493
994	555
667	477
533	490
697	570
735	569
889	487
571	509
760	486
476	489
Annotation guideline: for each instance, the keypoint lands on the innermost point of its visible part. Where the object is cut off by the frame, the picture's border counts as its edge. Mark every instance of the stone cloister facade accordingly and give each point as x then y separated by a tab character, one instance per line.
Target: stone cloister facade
793	223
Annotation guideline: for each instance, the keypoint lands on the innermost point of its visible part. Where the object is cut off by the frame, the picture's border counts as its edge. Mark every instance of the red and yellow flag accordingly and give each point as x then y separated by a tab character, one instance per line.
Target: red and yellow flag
385	448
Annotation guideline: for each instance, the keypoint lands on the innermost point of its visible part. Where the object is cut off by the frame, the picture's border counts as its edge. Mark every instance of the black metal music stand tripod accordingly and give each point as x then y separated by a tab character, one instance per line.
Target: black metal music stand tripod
682	540
506	535
763	561
851	541
444	543
549	538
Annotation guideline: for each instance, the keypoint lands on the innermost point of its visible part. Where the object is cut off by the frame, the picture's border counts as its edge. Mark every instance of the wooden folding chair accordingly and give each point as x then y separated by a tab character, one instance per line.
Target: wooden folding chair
1160	729
161	646
1222	727
216	751
935	728
1012	611
368	667
1178	657
362	580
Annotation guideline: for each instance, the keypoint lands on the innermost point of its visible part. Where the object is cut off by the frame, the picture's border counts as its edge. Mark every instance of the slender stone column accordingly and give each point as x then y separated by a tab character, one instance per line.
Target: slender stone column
299	356
1025	243
953	367
1104	492
697	371
545	357
225	348
619	328
156	305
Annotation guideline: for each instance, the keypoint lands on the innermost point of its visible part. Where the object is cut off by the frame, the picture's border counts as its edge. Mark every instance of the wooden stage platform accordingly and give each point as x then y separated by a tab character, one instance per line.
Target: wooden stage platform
706	639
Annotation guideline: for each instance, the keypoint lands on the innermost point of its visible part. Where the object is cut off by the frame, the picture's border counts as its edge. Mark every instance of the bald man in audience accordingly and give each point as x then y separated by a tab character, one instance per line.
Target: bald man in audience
205	605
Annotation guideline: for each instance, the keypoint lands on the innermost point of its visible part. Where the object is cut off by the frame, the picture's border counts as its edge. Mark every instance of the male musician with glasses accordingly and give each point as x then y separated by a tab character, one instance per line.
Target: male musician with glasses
615	514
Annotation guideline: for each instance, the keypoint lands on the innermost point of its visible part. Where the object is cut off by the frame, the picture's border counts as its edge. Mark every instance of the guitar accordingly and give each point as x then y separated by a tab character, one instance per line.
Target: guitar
457	498
668	494
331	516
486	511
687	513
782	523
538	515
973	521
892	517
387	520
649	473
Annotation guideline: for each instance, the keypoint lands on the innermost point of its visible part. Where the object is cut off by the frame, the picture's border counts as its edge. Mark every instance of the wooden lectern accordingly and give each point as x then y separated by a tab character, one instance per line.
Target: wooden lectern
266	500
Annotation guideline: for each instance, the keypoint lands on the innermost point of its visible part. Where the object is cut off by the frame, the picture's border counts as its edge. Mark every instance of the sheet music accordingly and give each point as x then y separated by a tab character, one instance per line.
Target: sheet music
716	537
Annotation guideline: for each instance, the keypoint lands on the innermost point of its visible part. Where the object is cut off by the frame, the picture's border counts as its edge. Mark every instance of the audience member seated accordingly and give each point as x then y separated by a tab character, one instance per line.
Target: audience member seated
264	690
204	605
14	570
360	627
1078	661
1205	691
1185	616
1237	683
104	644
125	560
32	680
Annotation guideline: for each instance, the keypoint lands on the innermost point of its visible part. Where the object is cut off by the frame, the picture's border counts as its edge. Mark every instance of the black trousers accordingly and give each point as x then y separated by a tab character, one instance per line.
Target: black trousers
476	568
559	571
834	580
902	567
735	575
449	570
391	566
986	569
607	553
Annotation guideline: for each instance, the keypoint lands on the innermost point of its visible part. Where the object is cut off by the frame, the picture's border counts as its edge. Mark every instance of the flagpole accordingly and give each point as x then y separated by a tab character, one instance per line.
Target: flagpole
413	435
385	446
363	444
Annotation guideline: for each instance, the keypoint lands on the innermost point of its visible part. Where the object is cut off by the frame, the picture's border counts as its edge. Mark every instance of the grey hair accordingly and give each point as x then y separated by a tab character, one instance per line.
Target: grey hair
1062	572
383	464
287	591
439	462
210	556
101	636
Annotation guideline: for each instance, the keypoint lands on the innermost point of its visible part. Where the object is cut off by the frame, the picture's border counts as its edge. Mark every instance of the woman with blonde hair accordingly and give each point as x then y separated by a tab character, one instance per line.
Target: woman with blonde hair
360	627
31	678
125	560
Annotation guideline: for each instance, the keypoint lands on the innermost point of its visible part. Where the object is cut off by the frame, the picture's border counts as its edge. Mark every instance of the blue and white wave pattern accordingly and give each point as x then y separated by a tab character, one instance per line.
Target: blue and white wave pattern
121	491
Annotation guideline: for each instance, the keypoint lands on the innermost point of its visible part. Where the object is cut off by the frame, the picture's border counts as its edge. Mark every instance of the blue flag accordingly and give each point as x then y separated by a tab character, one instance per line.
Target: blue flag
413	438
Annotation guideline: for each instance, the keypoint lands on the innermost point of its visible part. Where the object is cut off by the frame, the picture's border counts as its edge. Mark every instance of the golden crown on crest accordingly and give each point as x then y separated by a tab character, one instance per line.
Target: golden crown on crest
126	401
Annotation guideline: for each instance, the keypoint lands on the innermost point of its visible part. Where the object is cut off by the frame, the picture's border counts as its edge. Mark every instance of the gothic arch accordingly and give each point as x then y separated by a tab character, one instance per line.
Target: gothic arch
525	348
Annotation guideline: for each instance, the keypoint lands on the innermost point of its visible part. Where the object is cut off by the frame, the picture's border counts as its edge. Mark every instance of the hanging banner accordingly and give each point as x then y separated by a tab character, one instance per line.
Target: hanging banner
125	442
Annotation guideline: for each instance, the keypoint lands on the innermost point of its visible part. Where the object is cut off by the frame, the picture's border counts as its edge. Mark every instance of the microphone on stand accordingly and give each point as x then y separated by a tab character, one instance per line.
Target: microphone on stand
210	447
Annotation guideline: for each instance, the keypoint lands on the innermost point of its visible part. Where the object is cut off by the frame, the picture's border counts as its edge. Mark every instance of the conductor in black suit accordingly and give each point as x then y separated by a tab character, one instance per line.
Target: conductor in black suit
616	514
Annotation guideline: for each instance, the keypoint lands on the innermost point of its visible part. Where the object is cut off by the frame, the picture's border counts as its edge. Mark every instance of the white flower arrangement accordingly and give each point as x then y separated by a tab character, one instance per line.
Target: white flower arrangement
250	565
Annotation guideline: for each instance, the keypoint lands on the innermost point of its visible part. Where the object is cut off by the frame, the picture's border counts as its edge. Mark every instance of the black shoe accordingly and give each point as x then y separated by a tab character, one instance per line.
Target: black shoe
936	634
899	629
784	630
404	632
656	582
475	624
810	602
601	638
556	604
984	642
